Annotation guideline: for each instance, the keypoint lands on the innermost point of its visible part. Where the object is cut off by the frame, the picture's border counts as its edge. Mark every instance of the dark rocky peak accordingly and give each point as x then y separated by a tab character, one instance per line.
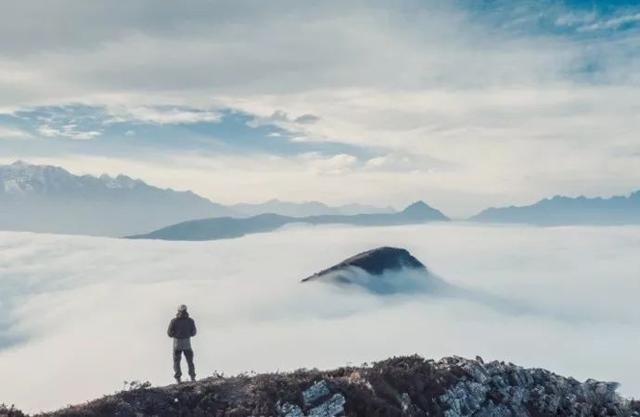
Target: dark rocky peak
376	262
422	211
398	387
385	270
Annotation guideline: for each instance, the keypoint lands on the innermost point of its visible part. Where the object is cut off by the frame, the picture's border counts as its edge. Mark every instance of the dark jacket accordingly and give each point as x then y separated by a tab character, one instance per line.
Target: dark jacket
182	327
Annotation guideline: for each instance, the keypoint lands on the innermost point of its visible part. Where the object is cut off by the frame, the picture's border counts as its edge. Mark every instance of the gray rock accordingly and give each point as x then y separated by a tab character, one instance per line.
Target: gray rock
316	392
405	402
497	389
331	408
313	396
464	399
290	410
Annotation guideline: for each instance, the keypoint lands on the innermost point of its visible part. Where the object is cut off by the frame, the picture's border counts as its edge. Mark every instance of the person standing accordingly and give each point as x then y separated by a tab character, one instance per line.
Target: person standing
182	328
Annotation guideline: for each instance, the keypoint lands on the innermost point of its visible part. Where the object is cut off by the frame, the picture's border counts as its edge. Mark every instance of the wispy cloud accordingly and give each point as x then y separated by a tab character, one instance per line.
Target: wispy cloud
67	131
611	23
11	133
163	115
73	122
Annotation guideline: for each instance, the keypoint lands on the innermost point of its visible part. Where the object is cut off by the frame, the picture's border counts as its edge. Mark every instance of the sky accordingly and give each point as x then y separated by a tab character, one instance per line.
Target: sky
79	315
464	104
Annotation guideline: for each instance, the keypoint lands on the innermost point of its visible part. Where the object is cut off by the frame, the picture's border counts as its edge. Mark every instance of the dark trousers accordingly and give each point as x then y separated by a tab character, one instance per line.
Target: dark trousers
177	356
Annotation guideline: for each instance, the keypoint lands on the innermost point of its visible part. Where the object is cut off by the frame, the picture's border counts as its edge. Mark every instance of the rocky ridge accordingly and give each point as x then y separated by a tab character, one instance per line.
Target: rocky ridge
404	386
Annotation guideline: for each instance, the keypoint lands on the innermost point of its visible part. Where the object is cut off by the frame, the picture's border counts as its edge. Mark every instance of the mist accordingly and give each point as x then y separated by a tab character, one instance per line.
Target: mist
82	314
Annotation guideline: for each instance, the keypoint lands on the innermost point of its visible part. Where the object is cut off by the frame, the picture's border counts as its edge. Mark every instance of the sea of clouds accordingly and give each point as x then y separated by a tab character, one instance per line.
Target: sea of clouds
79	315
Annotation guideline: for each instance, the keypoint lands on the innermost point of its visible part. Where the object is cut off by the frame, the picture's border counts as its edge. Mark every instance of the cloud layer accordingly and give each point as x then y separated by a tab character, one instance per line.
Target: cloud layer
80	315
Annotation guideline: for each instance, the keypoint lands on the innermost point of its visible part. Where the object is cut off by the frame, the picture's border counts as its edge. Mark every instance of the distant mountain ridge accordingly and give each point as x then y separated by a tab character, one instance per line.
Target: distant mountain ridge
559	210
49	199
21	179
304	209
227	227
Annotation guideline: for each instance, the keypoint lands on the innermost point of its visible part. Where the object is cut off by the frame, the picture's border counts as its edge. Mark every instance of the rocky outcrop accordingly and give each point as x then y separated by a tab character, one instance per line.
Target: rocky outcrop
384	270
318	402
405	386
505	390
375	262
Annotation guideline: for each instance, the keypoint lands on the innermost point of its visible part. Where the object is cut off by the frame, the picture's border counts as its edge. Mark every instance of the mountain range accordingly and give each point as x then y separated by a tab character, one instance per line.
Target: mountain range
561	210
50	199
40	198
229	227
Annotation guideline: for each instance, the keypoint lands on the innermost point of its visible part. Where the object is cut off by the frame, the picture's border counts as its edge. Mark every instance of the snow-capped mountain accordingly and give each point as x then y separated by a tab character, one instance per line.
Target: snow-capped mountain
50	199
21	178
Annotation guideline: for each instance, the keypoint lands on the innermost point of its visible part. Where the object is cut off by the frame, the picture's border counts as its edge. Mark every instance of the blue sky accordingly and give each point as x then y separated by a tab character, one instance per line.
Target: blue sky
465	104
92	129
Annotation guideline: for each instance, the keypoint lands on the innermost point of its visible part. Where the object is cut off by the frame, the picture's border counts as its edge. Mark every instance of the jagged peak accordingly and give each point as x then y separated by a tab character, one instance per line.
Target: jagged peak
417	205
120	181
421	210
24	166
20	164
